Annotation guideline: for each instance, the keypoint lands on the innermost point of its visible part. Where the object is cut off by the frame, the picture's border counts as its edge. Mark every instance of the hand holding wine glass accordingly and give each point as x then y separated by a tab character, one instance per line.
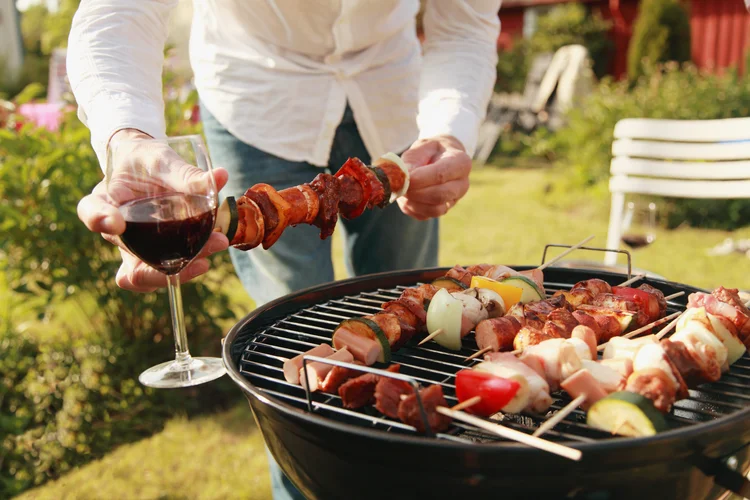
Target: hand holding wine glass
100	214
165	193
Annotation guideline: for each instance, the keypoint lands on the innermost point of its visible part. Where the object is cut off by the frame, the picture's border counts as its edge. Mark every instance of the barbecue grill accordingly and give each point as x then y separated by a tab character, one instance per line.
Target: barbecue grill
332	452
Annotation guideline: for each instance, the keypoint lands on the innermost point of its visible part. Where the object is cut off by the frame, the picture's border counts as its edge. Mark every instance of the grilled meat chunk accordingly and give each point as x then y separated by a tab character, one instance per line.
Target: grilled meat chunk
432	397
458	273
595	286
618	303
576	296
560	323
528	336
388	393
497	333
688	364
662	301
360	391
655	385
337	377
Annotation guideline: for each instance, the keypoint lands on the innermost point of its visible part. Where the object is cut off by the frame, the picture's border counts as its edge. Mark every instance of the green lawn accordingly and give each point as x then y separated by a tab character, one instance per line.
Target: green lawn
507	217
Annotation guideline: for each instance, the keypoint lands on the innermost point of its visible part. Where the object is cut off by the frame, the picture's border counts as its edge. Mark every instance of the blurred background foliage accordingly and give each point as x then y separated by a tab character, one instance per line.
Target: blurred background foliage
661	34
71	342
566	24
664	86
42	32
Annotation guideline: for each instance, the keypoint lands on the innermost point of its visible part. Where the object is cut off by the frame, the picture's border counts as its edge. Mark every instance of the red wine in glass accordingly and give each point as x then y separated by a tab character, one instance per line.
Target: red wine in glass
167	231
636	241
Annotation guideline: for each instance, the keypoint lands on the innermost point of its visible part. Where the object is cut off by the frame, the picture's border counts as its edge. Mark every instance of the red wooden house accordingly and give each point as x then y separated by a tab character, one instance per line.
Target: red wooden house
720	28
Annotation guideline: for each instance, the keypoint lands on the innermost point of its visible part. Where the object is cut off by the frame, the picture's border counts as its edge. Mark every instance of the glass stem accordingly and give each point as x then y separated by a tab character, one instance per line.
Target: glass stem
182	355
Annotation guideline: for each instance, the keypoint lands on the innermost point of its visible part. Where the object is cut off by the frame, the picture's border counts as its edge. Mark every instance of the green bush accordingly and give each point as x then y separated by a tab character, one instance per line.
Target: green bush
583	146
564	24
661	34
71	342
569	24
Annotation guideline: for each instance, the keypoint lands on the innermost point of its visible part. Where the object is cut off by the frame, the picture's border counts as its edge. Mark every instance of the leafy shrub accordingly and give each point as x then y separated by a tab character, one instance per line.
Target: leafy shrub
512	67
564	24
661	34
584	145
569	24
71	342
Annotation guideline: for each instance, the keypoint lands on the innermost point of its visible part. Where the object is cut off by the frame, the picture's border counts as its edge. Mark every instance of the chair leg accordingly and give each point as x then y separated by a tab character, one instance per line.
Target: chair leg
615	221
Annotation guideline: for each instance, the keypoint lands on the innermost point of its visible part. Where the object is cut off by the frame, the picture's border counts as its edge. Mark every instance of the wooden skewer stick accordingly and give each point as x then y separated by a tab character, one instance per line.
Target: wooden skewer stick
668	328
642	329
431	336
633	280
674	295
516	352
478	353
658	322
469	402
508	433
566	252
560	415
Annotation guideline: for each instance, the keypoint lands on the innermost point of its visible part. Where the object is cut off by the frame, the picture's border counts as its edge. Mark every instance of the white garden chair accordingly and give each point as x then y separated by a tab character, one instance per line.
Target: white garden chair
679	159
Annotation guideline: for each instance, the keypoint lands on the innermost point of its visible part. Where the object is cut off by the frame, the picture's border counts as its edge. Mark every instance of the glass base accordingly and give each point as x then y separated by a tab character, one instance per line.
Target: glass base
172	375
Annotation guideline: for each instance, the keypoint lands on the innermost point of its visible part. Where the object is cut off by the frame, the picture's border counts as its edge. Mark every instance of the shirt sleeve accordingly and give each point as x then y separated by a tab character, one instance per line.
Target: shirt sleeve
114	63
459	68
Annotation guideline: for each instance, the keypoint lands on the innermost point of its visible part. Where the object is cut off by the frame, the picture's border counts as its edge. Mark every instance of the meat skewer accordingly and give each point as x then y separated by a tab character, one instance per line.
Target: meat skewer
703	346
262	214
660	372
612	316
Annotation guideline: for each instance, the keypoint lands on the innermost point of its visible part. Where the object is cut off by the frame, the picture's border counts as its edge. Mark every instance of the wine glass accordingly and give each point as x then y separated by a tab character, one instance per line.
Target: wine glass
639	224
166	191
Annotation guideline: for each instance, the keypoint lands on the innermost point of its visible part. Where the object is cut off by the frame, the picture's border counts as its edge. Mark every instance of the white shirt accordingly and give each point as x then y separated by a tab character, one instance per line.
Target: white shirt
279	73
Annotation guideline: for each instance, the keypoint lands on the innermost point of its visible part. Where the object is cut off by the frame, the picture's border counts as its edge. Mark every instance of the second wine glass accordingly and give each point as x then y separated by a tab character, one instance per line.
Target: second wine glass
639	224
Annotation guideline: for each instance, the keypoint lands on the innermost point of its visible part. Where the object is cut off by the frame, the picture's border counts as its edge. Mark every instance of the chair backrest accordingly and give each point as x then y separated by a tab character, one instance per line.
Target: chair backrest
682	158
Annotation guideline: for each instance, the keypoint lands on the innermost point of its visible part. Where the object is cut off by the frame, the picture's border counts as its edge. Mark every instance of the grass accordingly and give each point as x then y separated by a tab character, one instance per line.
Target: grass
507	217
205	458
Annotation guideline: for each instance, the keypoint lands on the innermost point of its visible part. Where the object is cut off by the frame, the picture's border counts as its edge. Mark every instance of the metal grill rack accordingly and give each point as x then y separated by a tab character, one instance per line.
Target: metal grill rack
264	352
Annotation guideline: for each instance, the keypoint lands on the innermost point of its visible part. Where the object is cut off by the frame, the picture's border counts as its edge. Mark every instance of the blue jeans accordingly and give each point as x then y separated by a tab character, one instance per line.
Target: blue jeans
378	241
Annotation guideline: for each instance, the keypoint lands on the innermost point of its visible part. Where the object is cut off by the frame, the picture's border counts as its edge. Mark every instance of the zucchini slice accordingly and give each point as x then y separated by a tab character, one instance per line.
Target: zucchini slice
530	290
227	217
386	185
450	284
368	328
627	414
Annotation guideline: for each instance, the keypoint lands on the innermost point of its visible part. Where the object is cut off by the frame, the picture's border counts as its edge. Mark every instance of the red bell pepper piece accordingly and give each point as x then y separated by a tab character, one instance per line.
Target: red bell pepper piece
496	392
644	300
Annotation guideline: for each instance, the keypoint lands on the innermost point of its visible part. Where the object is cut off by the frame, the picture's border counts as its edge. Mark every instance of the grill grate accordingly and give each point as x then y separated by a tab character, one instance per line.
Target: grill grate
264	353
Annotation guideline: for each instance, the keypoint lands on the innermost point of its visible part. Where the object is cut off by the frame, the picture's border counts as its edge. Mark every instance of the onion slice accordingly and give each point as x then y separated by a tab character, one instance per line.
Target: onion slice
393	157
444	313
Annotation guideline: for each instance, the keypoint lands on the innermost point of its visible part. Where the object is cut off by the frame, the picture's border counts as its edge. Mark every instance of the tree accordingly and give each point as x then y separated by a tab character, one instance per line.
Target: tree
661	34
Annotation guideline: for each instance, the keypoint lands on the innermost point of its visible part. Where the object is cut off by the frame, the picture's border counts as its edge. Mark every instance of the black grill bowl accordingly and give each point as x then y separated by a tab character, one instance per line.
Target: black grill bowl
340	457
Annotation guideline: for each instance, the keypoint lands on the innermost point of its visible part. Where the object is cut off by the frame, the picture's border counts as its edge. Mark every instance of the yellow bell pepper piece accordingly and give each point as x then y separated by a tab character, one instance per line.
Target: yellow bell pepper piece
510	294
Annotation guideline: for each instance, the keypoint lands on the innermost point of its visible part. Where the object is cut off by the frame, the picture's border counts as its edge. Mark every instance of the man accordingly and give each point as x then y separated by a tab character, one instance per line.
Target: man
289	88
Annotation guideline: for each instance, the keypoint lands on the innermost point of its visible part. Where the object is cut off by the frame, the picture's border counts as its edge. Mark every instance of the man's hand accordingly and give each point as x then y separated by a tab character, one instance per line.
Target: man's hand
100	214
439	172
